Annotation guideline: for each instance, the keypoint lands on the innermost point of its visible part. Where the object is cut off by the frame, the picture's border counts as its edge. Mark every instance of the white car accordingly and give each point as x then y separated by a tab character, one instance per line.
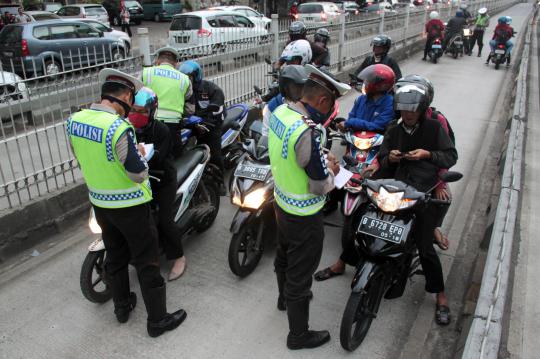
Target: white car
85	11
210	31
13	92
255	16
318	13
109	32
40	15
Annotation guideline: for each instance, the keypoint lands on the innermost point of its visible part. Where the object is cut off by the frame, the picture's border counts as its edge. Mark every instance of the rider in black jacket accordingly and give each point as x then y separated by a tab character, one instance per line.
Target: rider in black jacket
381	45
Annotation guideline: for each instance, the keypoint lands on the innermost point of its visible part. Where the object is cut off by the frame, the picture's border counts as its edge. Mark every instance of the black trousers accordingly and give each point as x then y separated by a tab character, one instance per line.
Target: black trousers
426	222
213	140
429	40
176	136
477	37
126	28
169	233
130	236
300	244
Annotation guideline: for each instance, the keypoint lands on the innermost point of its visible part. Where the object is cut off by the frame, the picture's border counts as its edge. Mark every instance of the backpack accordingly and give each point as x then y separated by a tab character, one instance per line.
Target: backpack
435	116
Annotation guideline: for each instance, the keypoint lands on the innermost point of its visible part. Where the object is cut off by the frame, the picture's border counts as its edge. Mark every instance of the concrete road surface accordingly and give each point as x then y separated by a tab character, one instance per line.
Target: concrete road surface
43	313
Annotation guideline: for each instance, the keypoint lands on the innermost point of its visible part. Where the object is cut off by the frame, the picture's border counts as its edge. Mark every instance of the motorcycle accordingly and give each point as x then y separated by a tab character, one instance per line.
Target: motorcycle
455	46
195	208
435	50
383	238
500	55
252	190
467	38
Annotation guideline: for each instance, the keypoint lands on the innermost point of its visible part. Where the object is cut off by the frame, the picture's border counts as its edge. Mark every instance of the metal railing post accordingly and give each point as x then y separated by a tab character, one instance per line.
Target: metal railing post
144	44
406	25
274	29
381	24
341	41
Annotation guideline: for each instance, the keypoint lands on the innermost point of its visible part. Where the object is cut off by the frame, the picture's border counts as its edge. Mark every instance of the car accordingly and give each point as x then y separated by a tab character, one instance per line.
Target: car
318	13
379	8
51	6
51	46
209	31
40	15
402	6
257	18
13	92
349	7
136	14
160	10
85	11
109	32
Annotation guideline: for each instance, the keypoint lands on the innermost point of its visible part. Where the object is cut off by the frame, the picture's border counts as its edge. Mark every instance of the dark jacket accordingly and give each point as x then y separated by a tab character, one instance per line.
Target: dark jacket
386	60
423	174
321	54
455	26
208	93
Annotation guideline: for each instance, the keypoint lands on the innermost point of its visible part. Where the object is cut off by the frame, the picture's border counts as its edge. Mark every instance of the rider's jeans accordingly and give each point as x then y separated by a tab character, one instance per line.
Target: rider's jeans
509	46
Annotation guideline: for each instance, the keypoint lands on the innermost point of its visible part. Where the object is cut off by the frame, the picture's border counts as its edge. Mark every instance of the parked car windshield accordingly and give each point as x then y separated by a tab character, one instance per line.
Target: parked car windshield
310	8
186	23
39	17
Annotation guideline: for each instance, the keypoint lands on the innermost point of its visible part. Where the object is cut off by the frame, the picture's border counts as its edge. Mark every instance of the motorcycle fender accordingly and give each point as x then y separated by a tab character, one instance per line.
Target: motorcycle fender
351	202
240	219
363	273
96	245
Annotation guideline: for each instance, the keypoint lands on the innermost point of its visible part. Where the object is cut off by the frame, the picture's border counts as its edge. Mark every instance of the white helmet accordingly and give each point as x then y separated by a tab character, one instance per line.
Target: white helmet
463	6
433	15
298	48
482	11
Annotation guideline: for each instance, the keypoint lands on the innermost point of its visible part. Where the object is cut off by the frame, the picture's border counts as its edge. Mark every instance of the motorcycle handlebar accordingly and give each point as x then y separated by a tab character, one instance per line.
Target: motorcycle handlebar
439	201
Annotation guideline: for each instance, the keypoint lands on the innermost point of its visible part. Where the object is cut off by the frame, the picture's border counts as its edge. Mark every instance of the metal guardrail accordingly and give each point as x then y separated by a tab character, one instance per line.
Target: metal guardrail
484	337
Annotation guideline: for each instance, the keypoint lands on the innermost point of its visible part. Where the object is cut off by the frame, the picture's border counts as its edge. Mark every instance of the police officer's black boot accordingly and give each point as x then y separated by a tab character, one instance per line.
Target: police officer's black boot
159	321
508	60
300	336
124	300
281	304
479	50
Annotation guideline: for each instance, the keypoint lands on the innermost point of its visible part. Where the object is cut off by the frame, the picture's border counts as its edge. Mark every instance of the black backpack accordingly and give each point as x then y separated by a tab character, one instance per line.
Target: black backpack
434	116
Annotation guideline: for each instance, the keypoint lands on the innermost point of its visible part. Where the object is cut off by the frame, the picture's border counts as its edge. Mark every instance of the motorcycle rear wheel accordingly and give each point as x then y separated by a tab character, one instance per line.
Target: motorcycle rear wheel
455	54
94	261
360	311
208	193
243	254
497	64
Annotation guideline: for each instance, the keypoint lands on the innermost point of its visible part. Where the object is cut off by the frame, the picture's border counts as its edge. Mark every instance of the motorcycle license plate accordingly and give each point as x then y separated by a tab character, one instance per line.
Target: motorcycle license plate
381	229
458	42
436	46
252	172
467	32
500	52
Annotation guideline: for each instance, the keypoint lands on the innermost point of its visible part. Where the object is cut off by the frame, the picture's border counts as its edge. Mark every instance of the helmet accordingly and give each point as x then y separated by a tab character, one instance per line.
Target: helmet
377	78
433	15
291	82
411	97
322	35
463	6
382	41
297	49
459	13
297	30
147	99
417	79
482	11
192	68
508	20
502	20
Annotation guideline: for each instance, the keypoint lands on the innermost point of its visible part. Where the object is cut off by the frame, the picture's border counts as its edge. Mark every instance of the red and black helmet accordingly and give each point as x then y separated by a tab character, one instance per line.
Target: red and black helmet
377	78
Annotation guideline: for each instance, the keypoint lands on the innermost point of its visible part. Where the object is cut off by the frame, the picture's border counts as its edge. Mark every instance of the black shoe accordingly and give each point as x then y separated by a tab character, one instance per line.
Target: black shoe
310	339
122	310
170	322
424	58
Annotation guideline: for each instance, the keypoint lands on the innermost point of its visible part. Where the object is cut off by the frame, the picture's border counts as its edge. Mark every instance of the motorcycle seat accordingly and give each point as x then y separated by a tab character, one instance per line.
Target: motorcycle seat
186	163
234	114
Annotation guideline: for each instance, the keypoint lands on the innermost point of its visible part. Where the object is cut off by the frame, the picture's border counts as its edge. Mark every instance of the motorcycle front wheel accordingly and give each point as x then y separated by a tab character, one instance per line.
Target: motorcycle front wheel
93	286
246	248
207	195
360	311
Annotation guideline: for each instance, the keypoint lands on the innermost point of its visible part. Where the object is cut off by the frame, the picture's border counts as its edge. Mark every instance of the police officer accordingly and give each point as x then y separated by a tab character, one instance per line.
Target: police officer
302	179
117	178
173	90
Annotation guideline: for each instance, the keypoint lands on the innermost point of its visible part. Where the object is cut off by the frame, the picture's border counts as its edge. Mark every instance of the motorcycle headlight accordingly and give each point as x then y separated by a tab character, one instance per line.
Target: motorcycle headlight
388	201
362	143
255	199
92	223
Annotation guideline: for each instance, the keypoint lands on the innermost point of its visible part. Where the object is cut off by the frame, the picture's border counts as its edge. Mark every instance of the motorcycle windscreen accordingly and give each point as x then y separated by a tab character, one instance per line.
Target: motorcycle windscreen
383	234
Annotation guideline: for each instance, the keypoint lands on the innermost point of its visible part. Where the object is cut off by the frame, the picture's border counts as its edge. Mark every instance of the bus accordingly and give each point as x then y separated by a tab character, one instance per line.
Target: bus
160	10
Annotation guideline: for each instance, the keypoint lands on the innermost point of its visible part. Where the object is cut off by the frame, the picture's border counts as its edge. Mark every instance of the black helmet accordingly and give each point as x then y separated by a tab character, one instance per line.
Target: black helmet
297	31
382	41
420	80
322	35
411	97
291	82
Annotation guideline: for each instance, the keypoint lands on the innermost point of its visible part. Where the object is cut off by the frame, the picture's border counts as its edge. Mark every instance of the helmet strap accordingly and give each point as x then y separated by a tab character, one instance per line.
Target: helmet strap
124	105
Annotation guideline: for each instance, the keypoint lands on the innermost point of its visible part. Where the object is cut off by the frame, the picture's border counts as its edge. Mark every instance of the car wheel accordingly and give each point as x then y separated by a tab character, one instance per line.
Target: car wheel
52	67
118	55
157	18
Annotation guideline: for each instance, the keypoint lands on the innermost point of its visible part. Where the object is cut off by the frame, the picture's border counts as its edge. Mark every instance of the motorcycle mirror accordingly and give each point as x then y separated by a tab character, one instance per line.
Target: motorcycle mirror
451	176
349	160
258	90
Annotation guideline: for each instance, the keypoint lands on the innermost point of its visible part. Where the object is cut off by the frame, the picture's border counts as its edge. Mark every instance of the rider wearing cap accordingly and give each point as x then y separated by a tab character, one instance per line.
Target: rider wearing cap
116	174
480	25
173	89
381	45
302	178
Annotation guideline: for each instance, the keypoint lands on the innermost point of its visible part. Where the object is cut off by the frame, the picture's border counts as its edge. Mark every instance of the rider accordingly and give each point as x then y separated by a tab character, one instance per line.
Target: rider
207	94
381	45
466	14
297	31
502	34
413	152
480	25
163	191
174	91
434	29
321	53
455	26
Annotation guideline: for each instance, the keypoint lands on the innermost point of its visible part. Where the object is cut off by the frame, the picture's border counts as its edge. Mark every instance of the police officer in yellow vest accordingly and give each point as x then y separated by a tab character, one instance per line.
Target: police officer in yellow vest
173	89
302	178
117	178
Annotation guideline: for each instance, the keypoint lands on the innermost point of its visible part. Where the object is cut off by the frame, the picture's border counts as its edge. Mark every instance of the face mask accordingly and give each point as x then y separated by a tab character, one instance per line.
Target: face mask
138	120
315	115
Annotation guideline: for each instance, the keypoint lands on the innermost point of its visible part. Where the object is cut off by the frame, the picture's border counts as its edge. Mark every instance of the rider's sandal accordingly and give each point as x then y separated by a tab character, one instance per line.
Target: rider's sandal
325	274
442	315
441	240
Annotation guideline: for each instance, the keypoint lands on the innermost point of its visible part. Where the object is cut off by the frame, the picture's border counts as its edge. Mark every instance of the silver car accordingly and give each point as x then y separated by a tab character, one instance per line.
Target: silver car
40	15
85	11
109	32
